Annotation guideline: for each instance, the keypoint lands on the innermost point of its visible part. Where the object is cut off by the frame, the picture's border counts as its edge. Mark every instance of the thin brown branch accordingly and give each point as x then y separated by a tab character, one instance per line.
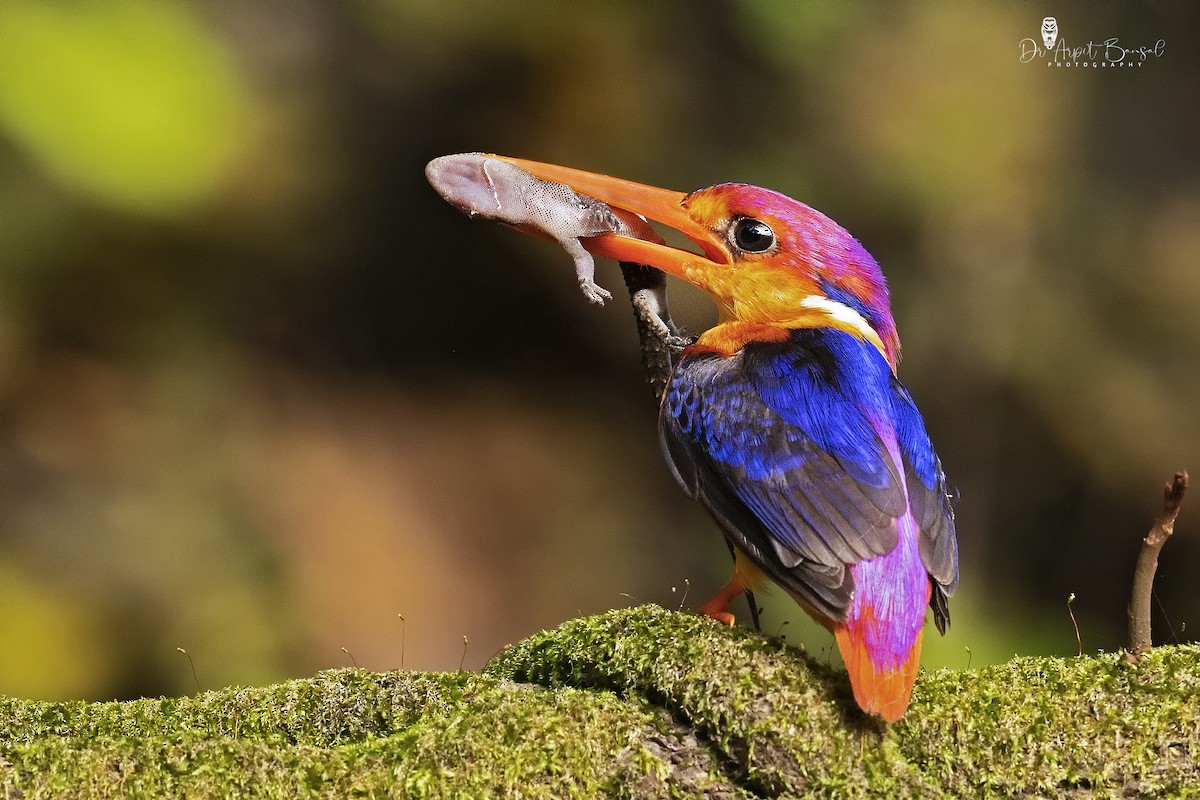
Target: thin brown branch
1147	565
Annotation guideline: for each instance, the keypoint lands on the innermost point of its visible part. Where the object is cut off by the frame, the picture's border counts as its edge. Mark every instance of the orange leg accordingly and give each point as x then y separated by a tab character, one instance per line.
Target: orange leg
718	607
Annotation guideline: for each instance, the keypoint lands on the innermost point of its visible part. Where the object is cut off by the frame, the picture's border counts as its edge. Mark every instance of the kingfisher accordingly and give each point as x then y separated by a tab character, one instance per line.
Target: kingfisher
787	423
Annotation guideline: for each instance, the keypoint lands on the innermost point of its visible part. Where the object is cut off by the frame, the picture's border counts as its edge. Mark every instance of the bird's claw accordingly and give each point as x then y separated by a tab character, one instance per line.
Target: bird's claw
718	610
723	617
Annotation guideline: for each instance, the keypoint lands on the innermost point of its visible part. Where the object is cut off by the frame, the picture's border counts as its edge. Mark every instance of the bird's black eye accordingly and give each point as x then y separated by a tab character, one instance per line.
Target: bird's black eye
753	236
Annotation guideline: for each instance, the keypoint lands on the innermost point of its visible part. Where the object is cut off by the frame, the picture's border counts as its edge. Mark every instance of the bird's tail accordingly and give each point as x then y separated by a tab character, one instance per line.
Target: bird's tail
880	688
881	637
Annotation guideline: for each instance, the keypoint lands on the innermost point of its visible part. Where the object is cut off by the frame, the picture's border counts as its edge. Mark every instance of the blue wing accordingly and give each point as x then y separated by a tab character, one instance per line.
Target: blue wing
778	443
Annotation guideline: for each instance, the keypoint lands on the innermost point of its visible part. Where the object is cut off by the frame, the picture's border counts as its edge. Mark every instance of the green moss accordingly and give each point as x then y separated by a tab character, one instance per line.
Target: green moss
345	733
634	703
1033	726
1097	723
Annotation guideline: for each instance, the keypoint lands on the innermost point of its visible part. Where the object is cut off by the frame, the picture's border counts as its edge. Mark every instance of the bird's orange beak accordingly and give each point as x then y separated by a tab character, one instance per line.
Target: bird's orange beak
660	205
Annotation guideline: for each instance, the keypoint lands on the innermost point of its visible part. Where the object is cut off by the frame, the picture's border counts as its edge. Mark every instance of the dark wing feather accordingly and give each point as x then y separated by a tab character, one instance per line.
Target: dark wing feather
929	500
823	585
776	443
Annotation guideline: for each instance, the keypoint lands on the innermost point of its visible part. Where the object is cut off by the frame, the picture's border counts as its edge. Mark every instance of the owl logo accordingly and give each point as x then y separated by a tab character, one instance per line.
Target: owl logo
1049	32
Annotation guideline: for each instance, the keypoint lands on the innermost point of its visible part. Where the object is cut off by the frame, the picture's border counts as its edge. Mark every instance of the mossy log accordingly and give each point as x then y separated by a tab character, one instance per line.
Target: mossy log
639	702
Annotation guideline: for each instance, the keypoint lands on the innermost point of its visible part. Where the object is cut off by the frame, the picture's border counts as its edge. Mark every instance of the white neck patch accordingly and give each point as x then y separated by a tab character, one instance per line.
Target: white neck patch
844	314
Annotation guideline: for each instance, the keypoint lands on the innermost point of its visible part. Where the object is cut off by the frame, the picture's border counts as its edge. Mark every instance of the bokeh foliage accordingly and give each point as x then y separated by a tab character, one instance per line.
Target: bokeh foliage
136	104
261	391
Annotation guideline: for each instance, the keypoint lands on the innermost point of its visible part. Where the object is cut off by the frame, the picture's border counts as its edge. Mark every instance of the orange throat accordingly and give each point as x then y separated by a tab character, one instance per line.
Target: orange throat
728	338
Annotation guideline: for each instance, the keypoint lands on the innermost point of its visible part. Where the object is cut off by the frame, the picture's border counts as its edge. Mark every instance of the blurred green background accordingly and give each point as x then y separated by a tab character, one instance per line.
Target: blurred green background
262	391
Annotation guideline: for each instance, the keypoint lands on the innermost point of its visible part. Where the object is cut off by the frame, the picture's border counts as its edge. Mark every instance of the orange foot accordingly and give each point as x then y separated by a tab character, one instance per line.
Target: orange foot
718	607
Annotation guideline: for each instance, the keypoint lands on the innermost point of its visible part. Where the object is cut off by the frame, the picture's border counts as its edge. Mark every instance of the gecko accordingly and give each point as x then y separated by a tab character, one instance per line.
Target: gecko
493	189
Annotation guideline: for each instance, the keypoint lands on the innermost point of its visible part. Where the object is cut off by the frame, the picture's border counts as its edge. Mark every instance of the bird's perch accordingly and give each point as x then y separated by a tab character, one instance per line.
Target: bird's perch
1147	565
638	702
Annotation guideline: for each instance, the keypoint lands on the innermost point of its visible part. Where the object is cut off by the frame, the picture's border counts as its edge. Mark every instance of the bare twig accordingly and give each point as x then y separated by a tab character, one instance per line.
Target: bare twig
1147	564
